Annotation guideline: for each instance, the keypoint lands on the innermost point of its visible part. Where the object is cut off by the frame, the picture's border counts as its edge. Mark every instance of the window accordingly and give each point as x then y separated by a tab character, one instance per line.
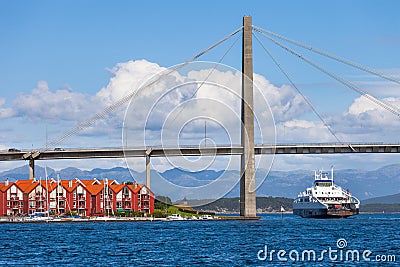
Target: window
8	204
74	194
119	205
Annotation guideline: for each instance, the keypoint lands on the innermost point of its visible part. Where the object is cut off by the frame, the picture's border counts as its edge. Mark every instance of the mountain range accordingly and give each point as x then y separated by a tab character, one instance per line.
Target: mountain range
362	184
391	199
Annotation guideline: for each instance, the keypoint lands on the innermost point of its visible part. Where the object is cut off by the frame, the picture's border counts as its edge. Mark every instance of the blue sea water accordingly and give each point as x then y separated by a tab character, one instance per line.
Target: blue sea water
203	243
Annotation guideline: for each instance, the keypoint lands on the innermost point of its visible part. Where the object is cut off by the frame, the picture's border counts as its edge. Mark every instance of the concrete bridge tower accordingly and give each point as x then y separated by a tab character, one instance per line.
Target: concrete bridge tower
247	179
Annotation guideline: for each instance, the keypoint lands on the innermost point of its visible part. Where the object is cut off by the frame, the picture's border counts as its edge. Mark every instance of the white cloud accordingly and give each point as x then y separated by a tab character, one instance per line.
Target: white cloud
365	117
5	112
128	77
361	105
2	147
303	131
45	105
286	103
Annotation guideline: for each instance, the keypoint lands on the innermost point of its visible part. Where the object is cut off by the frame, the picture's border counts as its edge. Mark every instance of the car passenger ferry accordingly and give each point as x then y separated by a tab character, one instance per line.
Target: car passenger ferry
325	200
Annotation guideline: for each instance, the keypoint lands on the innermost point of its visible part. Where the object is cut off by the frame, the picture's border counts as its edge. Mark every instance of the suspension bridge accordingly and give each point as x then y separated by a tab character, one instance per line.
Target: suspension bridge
247	149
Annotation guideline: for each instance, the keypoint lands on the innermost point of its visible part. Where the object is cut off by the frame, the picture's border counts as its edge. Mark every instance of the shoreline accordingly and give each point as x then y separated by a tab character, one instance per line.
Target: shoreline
218	217
27	220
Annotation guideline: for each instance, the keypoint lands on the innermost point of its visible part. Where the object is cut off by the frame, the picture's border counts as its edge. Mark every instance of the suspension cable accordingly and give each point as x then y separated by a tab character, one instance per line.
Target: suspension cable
391	108
298	90
331	56
207	77
215	66
102	114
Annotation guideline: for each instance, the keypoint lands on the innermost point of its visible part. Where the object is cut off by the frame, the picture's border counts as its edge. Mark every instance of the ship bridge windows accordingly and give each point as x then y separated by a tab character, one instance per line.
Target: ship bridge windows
323	184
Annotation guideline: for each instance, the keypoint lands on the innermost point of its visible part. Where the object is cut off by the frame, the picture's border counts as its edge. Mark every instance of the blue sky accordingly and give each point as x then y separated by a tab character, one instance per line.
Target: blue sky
74	46
72	43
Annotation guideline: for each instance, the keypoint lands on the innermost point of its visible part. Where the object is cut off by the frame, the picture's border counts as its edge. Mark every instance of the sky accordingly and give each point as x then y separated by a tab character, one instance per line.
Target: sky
64	61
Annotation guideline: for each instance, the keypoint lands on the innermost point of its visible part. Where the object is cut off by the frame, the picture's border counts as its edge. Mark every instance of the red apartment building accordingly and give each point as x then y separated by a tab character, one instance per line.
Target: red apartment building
85	197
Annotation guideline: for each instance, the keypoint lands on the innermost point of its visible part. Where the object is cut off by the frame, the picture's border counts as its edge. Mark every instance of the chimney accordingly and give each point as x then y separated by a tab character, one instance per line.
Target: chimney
6	183
70	184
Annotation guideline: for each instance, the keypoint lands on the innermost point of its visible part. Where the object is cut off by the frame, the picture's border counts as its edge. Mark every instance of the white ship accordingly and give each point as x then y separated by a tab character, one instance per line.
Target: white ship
325	200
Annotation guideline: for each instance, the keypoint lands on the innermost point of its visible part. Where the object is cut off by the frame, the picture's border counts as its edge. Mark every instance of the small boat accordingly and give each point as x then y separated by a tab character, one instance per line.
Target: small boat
206	217
325	199
175	217
39	217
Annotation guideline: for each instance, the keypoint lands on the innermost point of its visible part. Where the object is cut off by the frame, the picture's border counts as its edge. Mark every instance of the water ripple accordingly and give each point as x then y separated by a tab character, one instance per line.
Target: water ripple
212	243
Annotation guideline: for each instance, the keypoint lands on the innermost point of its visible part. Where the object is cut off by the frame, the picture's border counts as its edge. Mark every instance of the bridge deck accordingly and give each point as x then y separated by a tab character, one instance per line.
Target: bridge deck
279	149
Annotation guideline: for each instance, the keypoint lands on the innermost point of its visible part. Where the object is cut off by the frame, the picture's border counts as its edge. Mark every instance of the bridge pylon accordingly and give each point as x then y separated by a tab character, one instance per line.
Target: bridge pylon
247	179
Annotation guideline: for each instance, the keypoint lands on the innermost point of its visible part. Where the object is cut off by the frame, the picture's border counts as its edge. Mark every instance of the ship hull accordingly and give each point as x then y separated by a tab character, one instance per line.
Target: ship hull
324	213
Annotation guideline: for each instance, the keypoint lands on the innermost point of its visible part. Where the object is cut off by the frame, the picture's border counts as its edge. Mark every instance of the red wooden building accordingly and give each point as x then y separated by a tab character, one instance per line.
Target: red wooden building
85	197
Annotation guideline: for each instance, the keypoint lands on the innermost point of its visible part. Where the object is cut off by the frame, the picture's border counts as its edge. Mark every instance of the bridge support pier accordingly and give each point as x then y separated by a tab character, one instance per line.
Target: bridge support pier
148	171
31	169
148	151
247	179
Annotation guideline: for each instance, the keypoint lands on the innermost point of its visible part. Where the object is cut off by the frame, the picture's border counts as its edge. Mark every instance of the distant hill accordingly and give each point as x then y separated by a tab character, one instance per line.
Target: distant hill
392	199
264	204
380	208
